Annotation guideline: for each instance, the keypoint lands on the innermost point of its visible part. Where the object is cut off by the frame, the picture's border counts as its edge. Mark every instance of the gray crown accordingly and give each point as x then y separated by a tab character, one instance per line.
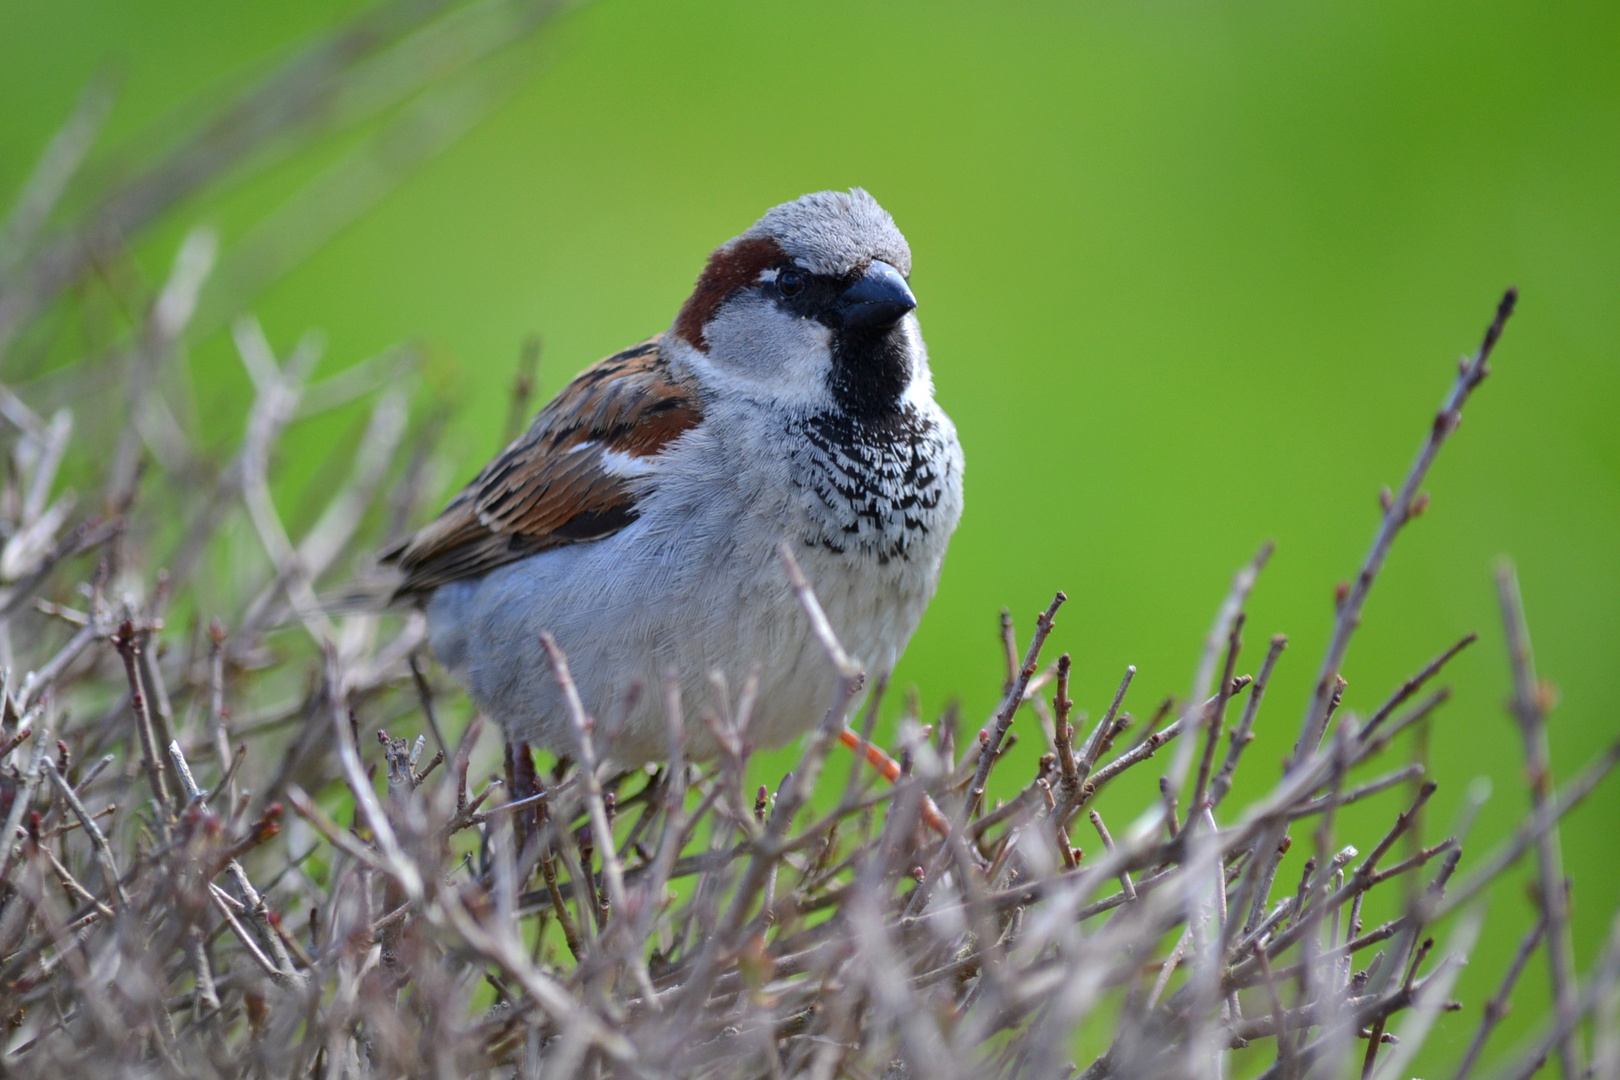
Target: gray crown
835	232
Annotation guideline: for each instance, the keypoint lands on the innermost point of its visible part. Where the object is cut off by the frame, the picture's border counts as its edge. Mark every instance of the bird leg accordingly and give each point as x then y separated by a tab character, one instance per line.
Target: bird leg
890	768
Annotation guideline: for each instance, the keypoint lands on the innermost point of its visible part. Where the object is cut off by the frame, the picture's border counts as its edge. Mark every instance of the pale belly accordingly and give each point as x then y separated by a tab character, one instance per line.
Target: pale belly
625	622
696	587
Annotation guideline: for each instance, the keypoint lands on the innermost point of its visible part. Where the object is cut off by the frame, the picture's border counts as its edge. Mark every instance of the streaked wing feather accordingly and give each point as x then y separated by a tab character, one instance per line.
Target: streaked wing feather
554	484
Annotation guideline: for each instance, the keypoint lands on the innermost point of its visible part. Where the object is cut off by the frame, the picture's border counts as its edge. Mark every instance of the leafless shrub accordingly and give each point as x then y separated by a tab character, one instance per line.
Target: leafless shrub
201	877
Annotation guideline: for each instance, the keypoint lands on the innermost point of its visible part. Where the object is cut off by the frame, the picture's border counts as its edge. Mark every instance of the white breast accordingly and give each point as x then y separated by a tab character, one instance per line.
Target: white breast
694	585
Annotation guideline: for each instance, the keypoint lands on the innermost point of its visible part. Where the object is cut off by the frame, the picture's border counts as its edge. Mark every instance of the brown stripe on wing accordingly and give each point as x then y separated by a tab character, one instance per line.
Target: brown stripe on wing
553	486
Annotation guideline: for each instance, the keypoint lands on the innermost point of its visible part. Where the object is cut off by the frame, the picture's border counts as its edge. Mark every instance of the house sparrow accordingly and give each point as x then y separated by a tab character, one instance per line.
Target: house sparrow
639	517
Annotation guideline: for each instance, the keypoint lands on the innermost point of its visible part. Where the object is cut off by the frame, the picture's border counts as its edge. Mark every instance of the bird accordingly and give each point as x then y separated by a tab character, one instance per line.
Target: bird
638	519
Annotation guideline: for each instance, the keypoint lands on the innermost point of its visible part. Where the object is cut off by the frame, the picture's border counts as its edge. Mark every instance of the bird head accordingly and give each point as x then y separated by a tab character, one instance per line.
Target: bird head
811	307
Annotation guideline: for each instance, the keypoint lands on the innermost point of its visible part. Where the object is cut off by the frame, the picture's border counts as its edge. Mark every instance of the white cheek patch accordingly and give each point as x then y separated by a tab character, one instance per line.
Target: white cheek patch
770	352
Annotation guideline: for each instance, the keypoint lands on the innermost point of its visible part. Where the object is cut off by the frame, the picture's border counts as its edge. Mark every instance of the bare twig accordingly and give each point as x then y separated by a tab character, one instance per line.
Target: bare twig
1529	711
1400	511
22	798
1009	708
601	828
523	387
1497	1007
1243	733
87	821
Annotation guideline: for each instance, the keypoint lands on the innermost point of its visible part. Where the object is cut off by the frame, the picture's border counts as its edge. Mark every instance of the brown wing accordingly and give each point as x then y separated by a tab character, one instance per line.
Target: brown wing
556	484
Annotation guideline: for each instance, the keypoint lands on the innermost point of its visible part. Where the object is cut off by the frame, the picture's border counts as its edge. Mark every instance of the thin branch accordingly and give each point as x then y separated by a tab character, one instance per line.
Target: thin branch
1529	707
1243	733
98	840
1400	511
1010	704
1497	1007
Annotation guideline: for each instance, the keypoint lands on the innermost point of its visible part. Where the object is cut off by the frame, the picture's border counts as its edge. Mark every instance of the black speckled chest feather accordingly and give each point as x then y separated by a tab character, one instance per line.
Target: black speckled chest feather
872	483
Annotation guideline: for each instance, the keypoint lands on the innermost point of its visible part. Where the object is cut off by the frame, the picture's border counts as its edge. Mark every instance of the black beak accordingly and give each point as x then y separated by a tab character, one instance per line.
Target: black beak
877	301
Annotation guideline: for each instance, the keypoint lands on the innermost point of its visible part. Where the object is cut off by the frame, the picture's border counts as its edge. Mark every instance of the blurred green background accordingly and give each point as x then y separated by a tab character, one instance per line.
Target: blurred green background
1193	276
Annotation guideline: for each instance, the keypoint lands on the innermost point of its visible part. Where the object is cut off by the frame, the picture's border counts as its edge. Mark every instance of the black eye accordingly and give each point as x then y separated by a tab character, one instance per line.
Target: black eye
790	281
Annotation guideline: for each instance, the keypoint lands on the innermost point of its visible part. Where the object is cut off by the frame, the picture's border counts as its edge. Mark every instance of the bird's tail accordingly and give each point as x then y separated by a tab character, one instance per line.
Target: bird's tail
374	591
